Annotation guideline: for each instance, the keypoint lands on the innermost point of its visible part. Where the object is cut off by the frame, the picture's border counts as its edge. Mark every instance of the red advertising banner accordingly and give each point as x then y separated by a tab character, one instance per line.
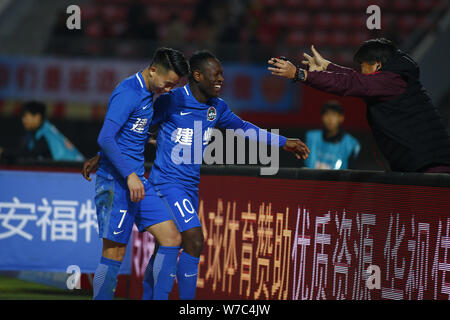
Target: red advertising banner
302	239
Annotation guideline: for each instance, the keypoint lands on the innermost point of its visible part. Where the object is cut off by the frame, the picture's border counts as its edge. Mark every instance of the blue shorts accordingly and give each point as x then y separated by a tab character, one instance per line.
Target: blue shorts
116	213
181	204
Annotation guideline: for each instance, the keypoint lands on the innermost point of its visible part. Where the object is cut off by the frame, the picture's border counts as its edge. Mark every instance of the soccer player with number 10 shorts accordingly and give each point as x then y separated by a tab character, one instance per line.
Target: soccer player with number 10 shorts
184	115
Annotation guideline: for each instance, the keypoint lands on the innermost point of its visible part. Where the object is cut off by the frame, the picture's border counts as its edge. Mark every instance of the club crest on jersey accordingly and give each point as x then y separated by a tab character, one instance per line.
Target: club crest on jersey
212	114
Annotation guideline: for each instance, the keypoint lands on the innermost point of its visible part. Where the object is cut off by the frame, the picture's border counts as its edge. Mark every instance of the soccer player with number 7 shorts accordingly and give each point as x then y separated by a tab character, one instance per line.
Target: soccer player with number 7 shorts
123	195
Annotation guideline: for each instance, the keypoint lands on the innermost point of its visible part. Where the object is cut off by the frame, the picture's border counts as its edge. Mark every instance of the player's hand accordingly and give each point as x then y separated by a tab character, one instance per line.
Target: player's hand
89	166
316	62
282	68
297	147
136	187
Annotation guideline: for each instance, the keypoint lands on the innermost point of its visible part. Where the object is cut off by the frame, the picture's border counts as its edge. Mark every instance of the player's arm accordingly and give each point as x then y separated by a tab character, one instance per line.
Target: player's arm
90	165
120	107
229	120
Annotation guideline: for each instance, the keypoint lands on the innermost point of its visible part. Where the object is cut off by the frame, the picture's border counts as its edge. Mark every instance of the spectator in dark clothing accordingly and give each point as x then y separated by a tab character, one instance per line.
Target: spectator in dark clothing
405	124
42	140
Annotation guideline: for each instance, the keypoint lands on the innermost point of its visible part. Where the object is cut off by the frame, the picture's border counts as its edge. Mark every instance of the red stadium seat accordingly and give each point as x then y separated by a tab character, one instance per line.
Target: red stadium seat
296	38
357	38
186	15
427	5
269	3
403	5
188	2
358	5
316	4
338	4
358	21
407	22
94	29
89	12
338	38
341	21
293	4
114	14
298	19
280	17
319	38
323	21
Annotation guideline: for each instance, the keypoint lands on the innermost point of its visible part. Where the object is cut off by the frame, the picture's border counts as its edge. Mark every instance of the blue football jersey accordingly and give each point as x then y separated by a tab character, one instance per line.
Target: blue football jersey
185	128
330	155
130	106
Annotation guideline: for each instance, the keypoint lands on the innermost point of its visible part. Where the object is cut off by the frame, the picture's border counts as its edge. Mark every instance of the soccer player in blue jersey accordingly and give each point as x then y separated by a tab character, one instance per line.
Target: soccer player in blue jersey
123	195
184	115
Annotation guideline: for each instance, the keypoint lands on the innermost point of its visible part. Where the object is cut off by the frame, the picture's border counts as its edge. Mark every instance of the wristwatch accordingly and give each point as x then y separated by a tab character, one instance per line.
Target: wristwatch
299	75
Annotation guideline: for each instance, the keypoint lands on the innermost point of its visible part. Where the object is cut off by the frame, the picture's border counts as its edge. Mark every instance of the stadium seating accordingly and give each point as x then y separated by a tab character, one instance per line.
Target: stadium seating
331	24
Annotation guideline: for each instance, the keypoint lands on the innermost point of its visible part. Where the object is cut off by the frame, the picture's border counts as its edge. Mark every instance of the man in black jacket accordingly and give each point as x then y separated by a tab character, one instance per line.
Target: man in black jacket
405	124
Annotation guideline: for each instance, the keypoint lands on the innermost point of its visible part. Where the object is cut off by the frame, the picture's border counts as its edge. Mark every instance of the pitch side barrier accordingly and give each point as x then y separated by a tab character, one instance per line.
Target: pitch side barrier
309	234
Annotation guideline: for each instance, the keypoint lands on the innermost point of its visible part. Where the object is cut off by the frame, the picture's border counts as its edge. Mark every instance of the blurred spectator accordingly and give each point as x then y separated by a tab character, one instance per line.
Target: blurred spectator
42	140
331	147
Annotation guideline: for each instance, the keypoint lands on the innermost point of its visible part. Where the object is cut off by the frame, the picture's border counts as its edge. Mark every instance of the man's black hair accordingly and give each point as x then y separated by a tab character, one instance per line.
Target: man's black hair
332	106
171	59
374	50
34	107
198	58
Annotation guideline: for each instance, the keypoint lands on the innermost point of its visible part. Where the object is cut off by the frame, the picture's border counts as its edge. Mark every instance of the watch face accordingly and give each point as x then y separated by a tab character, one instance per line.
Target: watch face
301	75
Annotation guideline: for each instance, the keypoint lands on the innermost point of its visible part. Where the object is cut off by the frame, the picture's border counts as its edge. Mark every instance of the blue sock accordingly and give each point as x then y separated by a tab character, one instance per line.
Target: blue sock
105	279
148	280
164	271
187	274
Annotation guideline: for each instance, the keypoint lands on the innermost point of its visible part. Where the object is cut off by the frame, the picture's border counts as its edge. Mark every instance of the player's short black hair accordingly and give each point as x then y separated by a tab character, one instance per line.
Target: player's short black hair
34	107
374	50
332	105
198	58
171	59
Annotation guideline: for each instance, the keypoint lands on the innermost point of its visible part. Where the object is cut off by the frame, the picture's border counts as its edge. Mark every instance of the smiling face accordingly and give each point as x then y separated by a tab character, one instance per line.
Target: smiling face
161	80
210	78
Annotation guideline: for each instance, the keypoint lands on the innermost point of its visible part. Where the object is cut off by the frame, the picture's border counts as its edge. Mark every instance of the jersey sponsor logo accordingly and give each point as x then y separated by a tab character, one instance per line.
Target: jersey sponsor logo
190	275
212	114
187	220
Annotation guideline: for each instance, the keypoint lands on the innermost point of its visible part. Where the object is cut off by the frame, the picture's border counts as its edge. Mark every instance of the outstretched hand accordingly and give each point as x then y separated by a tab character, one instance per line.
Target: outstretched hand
298	148
316	62
282	68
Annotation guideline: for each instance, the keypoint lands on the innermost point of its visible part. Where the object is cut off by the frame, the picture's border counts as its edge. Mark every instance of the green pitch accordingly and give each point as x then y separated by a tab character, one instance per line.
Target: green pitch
17	289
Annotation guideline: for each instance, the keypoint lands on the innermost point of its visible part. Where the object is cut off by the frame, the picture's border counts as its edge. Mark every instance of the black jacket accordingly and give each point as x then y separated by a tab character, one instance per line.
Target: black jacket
408	128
